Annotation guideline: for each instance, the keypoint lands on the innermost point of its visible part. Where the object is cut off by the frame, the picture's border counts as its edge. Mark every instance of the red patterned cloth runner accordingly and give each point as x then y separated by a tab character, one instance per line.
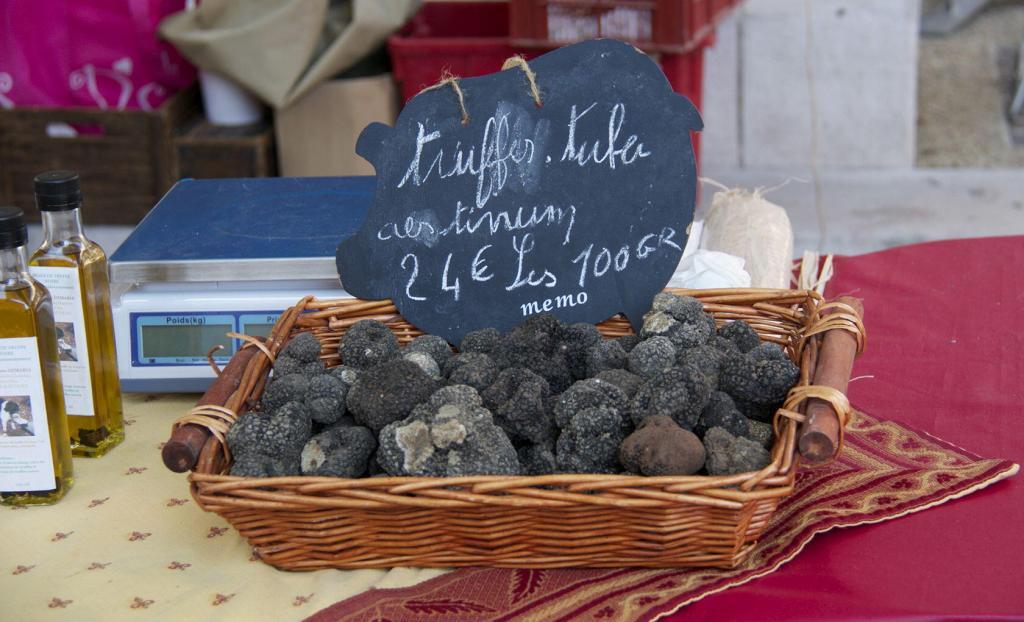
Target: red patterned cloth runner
886	470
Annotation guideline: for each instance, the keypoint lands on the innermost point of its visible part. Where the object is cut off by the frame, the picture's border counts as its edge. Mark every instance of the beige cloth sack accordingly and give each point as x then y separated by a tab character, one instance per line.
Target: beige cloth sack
745	224
280	49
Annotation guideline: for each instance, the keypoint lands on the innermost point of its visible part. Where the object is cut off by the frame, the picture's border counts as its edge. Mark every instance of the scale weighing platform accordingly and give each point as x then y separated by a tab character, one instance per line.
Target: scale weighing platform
224	255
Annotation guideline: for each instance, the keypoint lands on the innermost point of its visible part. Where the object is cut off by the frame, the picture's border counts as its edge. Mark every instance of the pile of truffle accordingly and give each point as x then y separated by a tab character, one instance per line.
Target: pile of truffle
679	398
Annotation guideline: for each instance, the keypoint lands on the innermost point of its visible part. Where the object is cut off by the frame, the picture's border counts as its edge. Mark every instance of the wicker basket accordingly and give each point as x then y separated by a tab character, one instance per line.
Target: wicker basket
307	523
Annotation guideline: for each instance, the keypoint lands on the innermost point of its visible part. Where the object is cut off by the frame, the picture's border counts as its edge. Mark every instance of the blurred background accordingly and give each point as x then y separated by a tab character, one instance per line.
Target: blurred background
874	122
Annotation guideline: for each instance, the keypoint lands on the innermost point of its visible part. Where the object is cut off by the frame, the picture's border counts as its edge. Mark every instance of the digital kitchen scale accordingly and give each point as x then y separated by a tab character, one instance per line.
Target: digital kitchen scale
224	255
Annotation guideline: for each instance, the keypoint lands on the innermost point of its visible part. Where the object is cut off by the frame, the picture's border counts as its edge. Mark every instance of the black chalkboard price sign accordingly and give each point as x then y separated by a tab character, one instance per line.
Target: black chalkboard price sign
495	202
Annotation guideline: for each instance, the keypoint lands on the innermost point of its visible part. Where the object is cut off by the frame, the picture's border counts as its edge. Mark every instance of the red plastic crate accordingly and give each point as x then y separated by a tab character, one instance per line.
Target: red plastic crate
661	26
472	39
466	39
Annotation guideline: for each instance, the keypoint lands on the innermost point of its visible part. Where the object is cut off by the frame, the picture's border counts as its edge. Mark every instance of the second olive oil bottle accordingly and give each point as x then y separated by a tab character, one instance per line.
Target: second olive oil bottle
74	270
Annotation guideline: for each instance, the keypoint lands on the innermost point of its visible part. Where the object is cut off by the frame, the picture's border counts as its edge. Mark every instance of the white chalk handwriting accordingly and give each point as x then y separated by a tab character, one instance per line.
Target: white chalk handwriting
594	262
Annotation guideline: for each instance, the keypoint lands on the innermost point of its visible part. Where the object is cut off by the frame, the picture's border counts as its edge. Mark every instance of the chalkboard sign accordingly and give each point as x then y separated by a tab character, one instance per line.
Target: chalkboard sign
498	208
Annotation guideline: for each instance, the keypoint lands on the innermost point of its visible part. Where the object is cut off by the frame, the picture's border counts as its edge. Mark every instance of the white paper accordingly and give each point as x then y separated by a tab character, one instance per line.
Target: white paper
26	463
704	269
69	316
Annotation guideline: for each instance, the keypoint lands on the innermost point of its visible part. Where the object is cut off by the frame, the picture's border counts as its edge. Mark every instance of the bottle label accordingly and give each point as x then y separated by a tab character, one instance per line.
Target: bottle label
69	316
26	462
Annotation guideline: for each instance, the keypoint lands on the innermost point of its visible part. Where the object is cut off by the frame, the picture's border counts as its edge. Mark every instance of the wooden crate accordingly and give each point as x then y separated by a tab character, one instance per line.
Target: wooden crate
204	150
126	158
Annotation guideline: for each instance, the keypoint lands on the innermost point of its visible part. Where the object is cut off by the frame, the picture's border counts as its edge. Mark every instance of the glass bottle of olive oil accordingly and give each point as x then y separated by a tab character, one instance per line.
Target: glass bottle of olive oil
74	270
35	456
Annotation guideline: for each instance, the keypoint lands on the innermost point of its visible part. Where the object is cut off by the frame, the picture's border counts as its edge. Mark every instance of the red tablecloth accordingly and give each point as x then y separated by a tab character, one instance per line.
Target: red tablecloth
945	354
945	357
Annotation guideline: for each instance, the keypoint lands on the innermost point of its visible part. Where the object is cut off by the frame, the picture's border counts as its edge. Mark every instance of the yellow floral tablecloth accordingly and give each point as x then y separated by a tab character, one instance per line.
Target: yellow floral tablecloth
128	542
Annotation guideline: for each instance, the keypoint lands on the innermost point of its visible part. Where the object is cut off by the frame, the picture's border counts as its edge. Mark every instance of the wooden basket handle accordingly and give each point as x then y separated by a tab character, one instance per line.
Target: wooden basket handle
182	450
226	399
843	337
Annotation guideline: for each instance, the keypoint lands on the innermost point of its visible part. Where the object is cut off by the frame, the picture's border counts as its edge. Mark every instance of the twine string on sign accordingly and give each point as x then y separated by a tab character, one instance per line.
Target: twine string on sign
448	79
520	62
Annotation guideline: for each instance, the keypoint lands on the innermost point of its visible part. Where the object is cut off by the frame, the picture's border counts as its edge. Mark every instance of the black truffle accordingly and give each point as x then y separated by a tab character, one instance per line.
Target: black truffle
339	452
345	374
728	454
628	342
303	347
721	412
482	341
458	394
759	378
681	319
435	346
724	345
755	411
651	356
325	398
627	381
700	388
761	433
553	368
586	394
575	341
342	422
680	308
741	334
768	352
286	365
451	441
517	401
590	441
537	333
388	392
259	465
290	388
367	343
603	356
533	344
537	460
681	334
680	393
426	363
473	369
281	432
706	358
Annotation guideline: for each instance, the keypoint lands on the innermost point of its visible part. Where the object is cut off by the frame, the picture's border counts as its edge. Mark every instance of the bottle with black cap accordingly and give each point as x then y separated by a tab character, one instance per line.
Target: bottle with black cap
74	269
35	456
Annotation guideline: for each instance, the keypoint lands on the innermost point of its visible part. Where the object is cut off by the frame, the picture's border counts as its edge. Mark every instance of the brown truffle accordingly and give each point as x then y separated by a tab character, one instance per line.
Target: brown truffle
660	447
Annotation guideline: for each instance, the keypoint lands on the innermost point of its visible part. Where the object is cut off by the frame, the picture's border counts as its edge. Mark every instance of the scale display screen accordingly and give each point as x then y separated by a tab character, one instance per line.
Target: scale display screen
258	325
173	339
183	341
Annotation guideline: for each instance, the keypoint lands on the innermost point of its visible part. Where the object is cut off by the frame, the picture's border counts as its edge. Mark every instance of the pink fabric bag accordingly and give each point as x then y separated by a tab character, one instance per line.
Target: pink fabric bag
97	54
